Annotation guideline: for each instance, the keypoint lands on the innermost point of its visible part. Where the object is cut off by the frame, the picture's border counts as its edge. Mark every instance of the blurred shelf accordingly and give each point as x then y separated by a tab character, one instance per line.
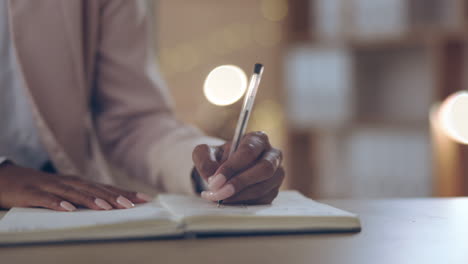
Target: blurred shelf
395	76
363	123
413	38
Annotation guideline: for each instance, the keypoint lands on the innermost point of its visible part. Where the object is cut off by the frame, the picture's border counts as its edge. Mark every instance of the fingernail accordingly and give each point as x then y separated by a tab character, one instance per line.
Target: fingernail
67	206
216	182
204	194
210	179
124	202
144	197
102	204
223	193
208	195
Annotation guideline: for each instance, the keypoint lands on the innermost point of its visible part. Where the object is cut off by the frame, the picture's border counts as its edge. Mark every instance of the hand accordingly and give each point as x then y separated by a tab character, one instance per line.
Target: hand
22	187
252	175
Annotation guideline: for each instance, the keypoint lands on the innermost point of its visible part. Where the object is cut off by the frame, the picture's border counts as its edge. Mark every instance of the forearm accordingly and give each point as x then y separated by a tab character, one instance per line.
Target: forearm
156	149
170	160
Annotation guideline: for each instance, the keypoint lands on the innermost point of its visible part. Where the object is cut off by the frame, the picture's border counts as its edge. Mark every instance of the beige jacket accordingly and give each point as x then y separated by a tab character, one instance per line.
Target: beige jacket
93	86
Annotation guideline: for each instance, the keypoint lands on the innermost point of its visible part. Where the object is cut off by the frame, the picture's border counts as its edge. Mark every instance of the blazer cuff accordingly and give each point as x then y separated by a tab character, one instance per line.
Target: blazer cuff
174	166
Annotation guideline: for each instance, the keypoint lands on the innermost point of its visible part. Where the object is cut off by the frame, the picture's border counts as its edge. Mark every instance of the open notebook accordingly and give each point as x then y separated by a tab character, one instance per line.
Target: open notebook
175	216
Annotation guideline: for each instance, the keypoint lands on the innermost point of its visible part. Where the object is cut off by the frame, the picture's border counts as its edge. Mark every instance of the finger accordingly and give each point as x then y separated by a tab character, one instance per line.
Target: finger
38	198
250	149
136	197
205	160
254	190
217	180
76	196
259	190
264	169
116	199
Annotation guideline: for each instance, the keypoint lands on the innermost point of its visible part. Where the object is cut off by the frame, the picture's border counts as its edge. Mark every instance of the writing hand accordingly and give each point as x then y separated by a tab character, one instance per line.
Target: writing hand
252	175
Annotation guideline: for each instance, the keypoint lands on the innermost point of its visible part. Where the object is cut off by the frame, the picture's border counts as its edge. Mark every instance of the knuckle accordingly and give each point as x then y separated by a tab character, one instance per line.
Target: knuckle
258	133
248	151
66	189
262	135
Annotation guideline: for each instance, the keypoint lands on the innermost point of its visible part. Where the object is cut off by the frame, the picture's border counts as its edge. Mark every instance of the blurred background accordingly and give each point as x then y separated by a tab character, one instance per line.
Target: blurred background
351	88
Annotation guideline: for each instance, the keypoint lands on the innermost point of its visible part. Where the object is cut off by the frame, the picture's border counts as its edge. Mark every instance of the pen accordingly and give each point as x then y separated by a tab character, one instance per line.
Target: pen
246	110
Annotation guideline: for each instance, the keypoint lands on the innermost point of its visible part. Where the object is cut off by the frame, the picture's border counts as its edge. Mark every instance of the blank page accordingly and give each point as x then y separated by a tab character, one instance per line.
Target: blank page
287	204
33	219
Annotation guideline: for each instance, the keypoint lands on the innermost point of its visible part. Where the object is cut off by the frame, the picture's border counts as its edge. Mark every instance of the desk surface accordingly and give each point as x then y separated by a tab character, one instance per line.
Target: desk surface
394	231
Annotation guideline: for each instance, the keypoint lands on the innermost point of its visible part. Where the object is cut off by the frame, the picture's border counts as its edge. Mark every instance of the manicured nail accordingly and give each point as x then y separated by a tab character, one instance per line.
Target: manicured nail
124	202
225	192
102	204
144	197
216	182
67	206
206	194
210	179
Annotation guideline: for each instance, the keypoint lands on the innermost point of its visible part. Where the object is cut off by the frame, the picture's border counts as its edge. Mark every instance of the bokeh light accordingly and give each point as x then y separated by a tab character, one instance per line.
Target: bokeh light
225	84
454	117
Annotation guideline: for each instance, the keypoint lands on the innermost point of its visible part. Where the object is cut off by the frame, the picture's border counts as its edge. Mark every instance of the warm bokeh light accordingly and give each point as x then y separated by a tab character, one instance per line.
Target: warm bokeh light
225	84
453	115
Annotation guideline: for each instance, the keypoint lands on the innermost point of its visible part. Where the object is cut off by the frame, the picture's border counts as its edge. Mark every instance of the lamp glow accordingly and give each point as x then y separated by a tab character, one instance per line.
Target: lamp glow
453	115
225	84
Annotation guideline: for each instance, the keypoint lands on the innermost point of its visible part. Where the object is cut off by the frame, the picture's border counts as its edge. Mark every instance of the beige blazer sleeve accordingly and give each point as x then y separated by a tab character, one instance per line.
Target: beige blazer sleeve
132	110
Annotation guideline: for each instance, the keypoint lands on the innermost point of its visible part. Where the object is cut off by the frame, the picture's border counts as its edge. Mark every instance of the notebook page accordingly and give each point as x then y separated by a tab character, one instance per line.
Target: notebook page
287	204
33	219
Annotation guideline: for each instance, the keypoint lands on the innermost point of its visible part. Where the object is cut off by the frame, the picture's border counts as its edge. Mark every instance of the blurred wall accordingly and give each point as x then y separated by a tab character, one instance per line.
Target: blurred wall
193	37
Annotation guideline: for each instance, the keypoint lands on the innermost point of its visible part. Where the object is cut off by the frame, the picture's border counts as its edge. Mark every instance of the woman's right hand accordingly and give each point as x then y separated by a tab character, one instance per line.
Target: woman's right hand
23	187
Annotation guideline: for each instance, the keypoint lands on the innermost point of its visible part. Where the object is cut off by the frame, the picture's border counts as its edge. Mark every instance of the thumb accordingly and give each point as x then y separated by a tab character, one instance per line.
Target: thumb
205	159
